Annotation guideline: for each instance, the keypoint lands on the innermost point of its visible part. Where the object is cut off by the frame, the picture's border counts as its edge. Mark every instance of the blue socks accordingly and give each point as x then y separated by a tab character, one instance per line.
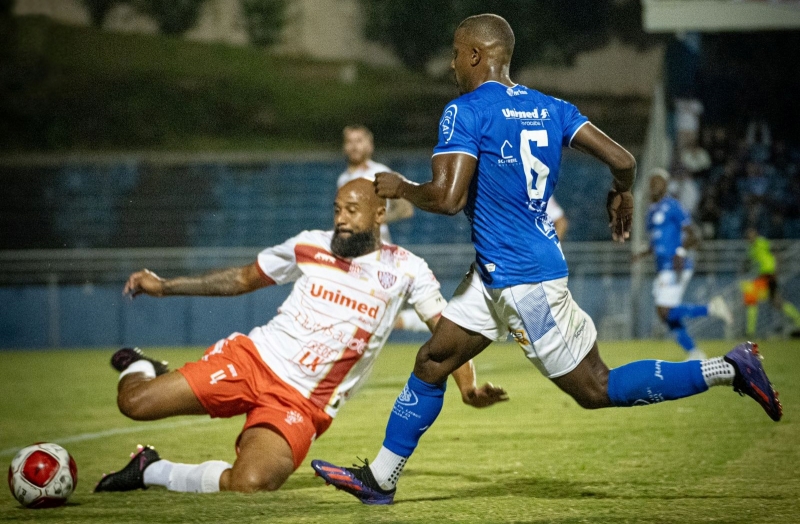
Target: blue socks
687	311
676	326
414	411
683	338
652	381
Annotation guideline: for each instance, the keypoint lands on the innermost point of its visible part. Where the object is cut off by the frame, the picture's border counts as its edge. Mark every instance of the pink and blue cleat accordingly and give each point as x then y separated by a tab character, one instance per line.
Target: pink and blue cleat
357	481
751	379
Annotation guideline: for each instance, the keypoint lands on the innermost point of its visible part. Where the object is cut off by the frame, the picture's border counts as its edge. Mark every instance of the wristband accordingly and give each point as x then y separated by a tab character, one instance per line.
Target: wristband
681	252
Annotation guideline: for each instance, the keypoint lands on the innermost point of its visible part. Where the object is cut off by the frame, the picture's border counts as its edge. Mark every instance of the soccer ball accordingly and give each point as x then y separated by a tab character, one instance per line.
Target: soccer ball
43	475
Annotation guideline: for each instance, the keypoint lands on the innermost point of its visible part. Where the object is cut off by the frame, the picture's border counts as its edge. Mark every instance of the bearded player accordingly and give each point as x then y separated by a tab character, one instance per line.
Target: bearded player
292	375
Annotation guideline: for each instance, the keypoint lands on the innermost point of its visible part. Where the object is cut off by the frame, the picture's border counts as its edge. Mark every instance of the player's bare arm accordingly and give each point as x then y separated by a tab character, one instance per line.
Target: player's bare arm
590	140
222	282
445	194
399	209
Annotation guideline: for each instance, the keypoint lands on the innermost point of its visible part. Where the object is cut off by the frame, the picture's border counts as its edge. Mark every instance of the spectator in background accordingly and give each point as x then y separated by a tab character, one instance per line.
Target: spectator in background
759	140
695	159
358	147
686	190
687	121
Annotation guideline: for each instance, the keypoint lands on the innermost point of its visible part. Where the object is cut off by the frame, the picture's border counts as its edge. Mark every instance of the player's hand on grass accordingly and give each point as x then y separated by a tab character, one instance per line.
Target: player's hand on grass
484	396
146	282
620	214
389	185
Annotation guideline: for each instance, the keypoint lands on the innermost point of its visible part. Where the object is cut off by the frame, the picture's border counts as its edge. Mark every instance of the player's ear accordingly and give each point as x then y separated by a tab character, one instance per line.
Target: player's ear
475	57
380	214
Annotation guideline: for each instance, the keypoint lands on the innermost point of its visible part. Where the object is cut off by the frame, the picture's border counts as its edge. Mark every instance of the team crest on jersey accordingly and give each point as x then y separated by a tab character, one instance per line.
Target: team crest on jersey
386	279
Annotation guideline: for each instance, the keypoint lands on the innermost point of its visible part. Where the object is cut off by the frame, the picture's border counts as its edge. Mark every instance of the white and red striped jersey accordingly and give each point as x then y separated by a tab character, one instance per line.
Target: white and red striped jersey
327	333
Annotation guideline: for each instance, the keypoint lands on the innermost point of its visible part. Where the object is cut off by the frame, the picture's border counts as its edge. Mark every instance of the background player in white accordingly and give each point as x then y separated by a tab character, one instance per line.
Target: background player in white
293	374
671	237
358	146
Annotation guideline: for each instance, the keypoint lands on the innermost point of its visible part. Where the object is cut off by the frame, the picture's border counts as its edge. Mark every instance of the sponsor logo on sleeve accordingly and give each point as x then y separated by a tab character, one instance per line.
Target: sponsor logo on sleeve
448	122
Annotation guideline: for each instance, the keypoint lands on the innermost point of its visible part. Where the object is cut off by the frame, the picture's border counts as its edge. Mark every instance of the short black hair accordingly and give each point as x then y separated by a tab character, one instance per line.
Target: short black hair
490	27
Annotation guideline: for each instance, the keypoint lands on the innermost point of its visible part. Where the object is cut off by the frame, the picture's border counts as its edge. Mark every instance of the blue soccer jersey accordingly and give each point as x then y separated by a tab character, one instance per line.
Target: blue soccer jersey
516	134
665	222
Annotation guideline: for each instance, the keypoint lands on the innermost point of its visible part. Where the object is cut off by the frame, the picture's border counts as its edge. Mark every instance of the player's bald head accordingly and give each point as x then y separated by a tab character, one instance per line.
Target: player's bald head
361	190
490	32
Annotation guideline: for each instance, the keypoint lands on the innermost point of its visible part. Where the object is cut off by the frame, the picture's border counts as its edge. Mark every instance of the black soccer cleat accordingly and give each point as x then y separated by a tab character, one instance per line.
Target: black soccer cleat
130	477
127	356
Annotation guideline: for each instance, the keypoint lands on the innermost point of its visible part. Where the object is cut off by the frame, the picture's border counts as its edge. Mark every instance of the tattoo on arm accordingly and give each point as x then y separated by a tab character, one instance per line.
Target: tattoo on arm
220	282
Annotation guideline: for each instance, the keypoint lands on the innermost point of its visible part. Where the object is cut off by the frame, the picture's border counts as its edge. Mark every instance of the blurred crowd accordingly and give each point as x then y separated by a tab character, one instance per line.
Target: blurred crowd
734	179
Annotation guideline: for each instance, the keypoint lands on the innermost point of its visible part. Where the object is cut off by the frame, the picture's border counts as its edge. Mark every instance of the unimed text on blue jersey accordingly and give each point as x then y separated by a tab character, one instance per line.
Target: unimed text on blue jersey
516	134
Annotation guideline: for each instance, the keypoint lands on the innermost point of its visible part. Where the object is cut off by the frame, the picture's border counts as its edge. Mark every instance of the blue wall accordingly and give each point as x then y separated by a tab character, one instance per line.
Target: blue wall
98	315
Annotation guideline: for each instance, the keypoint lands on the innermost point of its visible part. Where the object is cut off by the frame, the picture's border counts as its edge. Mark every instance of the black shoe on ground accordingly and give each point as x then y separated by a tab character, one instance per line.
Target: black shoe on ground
130	477
127	356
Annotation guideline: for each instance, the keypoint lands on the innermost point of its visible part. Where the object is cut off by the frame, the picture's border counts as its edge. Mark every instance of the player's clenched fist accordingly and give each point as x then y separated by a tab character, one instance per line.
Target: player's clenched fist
620	214
389	185
144	281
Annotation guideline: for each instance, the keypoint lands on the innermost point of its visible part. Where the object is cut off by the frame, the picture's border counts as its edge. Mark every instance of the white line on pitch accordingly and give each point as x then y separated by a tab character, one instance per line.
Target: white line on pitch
110	432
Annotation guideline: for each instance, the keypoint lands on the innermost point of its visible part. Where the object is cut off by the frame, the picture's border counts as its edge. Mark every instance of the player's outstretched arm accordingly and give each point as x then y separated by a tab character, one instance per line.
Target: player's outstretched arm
592	141
221	282
445	194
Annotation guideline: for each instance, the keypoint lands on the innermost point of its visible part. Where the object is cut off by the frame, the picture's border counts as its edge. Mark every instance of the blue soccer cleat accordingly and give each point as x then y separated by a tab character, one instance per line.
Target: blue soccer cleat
751	380
358	481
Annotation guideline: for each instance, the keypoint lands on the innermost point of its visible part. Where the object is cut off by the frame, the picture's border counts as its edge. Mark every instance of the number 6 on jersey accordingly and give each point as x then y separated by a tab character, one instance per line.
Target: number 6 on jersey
532	164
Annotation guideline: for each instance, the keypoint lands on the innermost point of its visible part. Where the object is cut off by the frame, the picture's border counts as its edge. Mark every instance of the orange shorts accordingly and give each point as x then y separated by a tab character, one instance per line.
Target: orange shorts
232	379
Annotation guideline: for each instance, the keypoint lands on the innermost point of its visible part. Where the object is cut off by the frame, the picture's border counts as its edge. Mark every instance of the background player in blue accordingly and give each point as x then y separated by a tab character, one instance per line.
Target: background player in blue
671	235
497	158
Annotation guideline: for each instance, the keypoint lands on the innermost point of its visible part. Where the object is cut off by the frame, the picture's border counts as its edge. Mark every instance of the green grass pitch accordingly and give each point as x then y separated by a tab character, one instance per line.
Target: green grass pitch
538	458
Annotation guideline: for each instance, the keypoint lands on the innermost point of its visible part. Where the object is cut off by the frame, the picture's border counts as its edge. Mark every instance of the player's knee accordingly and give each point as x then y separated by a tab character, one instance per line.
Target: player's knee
593	399
430	371
253	481
133	403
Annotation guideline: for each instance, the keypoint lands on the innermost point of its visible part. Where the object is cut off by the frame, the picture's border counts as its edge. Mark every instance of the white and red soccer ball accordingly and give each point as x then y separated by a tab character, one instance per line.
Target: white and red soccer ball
43	475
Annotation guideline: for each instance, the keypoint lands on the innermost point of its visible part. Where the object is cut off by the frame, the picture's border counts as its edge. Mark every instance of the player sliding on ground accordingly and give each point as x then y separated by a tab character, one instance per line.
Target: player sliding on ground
498	158
292	375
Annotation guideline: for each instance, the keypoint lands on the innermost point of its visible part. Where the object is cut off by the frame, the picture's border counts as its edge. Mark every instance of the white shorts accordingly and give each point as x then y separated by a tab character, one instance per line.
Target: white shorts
668	289
549	326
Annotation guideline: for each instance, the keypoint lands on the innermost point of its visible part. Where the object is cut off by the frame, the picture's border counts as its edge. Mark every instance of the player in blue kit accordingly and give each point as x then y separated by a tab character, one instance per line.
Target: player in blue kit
498	159
671	235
